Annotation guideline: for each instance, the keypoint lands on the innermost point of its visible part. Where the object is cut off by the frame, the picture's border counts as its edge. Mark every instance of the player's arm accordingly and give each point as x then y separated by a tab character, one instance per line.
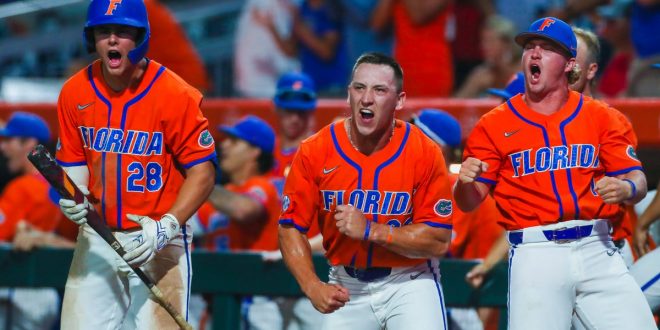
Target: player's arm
238	207
641	231
413	241
497	253
195	190
469	193
297	255
628	188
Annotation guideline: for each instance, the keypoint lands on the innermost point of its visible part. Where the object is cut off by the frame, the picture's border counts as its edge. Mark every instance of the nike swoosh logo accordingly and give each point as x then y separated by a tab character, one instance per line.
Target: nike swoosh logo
507	134
83	106
414	276
330	170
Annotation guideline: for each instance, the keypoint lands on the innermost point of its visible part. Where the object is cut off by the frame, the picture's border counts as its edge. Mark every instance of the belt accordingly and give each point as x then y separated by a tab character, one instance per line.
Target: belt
368	274
560	235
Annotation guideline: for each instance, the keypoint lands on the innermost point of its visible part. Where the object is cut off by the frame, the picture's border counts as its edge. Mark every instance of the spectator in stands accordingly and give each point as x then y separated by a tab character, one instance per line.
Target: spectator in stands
317	41
615	29
28	219
258	59
501	59
644	27
473	233
363	33
422	38
469	17
169	46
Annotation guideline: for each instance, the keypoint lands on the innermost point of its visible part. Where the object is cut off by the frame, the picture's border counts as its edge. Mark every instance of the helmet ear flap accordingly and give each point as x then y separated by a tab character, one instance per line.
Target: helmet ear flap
88	37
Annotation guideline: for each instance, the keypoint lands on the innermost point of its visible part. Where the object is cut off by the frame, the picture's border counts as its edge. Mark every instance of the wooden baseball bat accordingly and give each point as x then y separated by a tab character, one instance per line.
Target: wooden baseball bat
57	177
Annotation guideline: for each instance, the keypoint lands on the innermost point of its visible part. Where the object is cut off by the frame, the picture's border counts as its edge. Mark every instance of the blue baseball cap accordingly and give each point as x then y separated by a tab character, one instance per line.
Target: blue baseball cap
440	126
254	130
655	66
515	86
295	91
26	125
553	29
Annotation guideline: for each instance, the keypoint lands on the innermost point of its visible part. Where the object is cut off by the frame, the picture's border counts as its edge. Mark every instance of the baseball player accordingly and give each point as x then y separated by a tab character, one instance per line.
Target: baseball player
132	136
379	190
541	155
28	218
295	105
646	270
473	233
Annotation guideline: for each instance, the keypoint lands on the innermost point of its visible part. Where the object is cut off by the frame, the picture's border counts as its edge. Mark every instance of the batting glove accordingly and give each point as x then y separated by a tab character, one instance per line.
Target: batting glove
155	236
74	211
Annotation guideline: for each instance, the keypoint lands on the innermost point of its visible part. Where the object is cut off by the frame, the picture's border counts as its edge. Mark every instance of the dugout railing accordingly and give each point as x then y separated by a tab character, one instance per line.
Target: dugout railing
226	277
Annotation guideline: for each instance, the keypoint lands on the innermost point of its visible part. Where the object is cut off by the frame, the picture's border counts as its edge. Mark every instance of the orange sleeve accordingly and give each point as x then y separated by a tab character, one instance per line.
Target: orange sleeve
70	145
432	199
300	200
480	146
10	209
617	152
187	132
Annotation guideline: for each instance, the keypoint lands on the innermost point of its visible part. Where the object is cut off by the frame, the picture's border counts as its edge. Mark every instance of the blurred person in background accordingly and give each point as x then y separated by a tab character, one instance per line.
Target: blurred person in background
614	28
317	41
258	58
515	86
469	18
423	32
170	46
644	27
501	59
646	270
29	218
473	233
295	105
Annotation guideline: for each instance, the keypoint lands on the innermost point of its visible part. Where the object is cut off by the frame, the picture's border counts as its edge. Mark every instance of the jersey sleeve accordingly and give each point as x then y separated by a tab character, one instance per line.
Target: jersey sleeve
187	133
70	145
479	145
617	153
432	203
10	210
300	199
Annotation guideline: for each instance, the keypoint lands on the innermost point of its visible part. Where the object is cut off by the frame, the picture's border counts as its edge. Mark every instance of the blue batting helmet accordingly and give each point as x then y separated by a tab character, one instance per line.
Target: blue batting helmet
122	12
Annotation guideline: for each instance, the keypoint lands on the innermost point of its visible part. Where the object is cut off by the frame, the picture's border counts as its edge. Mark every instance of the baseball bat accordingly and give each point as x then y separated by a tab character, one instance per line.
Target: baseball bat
44	162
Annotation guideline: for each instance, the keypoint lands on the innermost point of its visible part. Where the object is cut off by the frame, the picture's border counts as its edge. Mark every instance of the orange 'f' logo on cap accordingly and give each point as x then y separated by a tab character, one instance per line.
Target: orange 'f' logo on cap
547	22
112	6
297	85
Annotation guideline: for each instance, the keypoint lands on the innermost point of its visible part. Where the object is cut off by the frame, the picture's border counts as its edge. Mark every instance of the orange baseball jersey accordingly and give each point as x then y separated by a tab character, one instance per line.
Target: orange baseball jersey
135	143
222	234
26	198
404	183
474	233
283	159
543	169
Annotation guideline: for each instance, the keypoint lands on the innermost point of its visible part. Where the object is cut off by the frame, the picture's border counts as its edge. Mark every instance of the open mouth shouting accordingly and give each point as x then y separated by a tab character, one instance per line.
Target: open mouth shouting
114	59
535	71
366	114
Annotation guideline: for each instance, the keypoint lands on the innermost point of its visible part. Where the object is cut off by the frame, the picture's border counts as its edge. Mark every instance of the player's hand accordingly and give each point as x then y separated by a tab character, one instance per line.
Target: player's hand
74	211
155	235
350	221
475	277
328	298
640	241
612	190
471	169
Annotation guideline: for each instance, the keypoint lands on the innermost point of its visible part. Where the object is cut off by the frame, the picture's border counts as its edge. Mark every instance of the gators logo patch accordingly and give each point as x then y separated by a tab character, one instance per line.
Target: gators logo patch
630	151
443	208
205	139
285	203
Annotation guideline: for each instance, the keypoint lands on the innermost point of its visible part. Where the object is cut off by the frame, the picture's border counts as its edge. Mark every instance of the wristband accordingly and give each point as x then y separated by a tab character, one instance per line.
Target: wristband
388	240
634	189
366	231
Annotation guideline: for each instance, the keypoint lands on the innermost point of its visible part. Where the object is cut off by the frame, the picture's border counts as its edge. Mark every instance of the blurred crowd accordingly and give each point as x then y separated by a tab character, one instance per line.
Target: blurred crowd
447	48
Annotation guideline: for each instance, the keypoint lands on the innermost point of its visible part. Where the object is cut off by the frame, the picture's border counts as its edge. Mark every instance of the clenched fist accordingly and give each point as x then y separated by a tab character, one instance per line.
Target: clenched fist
471	169
351	221
613	190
